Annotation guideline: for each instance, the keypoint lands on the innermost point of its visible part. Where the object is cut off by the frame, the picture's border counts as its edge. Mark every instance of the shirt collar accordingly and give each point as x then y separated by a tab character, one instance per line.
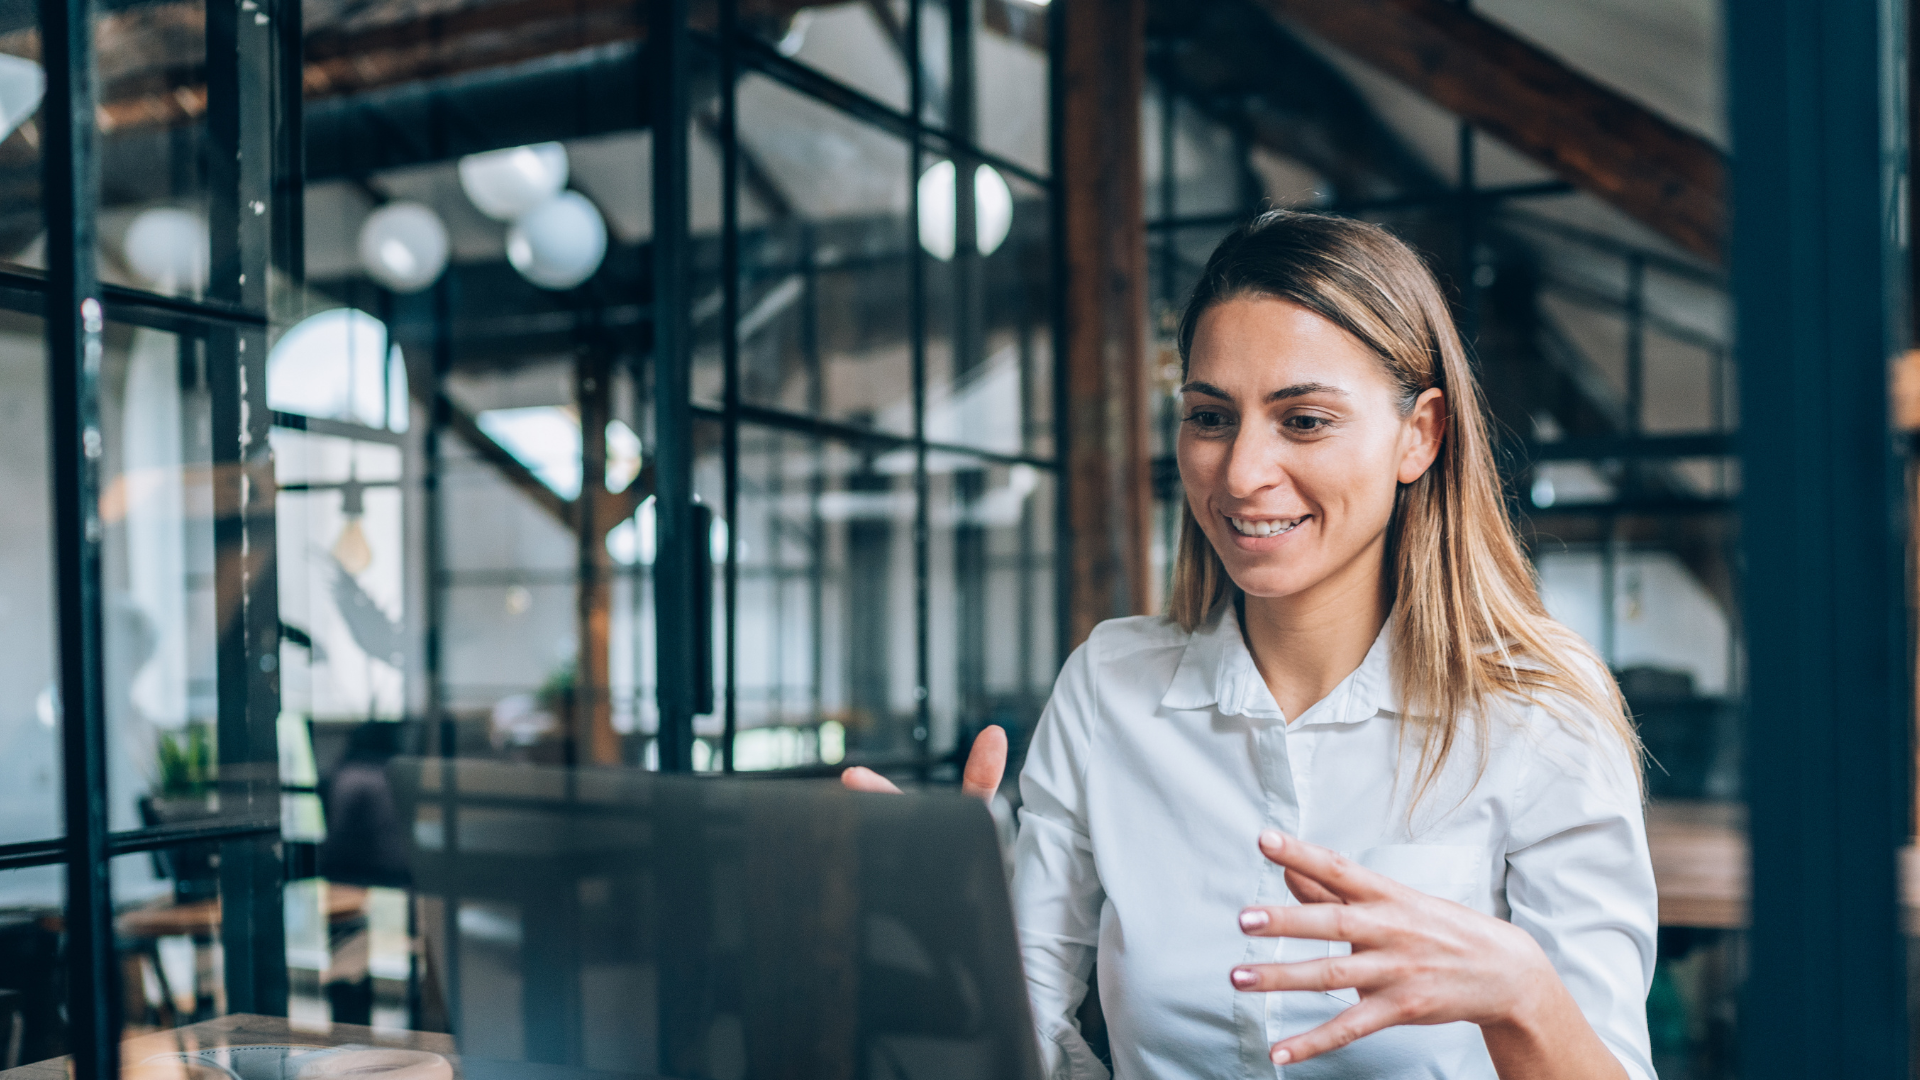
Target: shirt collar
1217	670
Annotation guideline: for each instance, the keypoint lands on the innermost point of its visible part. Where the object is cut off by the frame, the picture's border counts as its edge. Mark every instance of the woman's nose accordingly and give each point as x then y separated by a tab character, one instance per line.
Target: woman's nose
1252	464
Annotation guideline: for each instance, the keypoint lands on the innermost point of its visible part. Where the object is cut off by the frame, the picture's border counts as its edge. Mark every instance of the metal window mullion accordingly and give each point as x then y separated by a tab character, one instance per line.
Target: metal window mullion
917	330
240	39
74	322
675	561
1057	314
730	364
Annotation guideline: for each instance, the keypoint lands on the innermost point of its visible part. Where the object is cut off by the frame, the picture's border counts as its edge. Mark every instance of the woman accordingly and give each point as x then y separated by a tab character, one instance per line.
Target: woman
1358	807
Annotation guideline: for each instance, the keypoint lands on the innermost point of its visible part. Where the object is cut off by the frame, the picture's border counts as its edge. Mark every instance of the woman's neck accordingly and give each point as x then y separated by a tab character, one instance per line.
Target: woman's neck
1305	644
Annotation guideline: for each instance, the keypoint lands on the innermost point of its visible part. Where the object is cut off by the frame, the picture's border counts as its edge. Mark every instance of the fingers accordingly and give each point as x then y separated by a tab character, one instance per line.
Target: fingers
1357	972
861	778
1308	891
1318	922
1339	875
1371	1015
986	763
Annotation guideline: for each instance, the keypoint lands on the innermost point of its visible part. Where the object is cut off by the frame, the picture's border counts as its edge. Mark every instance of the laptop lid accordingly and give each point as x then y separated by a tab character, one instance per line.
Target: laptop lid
715	929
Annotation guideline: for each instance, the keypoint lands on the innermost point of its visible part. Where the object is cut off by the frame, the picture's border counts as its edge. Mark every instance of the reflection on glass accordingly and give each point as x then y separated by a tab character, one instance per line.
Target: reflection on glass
158	567
22	86
342	572
989	337
1011	81
30	761
824	301
152	85
860	44
825	622
991	551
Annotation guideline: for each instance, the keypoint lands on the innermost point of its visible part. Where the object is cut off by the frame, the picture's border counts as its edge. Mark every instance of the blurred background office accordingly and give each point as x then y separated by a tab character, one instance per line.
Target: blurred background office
751	386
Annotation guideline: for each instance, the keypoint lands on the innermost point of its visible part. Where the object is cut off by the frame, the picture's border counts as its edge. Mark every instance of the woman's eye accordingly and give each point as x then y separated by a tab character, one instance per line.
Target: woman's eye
1207	419
1306	424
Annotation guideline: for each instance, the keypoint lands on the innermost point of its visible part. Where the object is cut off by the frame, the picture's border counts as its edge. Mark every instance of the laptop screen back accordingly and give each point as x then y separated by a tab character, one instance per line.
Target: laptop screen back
715	929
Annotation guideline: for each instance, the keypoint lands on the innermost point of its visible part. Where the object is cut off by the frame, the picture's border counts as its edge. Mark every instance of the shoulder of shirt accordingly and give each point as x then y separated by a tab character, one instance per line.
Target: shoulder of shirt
1117	639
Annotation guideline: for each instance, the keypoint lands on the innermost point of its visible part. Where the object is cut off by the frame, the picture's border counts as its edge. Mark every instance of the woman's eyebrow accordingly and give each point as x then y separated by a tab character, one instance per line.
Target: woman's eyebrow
1302	390
1285	392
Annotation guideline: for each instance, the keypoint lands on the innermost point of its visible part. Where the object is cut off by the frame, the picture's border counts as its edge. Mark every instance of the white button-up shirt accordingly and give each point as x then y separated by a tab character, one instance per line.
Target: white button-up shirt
1162	755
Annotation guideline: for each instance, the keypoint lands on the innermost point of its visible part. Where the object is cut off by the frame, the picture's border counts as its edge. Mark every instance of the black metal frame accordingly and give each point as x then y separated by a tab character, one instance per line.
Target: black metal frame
252	133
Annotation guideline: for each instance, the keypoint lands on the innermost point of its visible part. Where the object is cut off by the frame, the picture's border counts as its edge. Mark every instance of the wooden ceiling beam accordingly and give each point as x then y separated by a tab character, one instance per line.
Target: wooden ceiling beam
1660	174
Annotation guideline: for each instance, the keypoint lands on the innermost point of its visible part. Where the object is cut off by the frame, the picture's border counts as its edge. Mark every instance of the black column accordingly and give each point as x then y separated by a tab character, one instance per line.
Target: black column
1817	106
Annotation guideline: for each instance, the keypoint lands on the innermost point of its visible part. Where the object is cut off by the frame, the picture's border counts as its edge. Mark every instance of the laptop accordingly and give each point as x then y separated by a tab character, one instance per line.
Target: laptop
703	928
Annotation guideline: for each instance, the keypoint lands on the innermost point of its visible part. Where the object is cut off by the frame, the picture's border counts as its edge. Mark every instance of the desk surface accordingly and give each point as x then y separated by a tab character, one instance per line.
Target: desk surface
1700	862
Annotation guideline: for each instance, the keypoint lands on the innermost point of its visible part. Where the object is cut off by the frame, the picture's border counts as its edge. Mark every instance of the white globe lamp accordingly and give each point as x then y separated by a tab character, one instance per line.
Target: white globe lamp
403	246
560	243
992	209
504	184
167	249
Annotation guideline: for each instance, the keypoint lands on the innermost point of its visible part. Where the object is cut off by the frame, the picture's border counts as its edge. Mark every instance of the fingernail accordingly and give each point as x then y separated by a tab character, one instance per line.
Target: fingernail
1272	839
1281	1056
1253	919
1243	977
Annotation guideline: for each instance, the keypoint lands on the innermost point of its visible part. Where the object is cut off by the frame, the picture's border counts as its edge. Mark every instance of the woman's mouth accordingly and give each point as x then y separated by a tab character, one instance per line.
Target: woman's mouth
1264	527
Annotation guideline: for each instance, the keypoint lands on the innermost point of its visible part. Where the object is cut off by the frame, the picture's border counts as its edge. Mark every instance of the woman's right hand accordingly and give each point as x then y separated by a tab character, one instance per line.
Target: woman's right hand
986	764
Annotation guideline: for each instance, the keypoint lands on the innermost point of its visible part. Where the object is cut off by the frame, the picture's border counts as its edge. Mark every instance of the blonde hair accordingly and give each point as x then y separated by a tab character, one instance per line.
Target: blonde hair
1468	627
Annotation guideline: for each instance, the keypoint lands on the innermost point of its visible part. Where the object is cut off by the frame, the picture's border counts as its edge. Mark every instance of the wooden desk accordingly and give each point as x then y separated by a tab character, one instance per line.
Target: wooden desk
1700	865
242	1029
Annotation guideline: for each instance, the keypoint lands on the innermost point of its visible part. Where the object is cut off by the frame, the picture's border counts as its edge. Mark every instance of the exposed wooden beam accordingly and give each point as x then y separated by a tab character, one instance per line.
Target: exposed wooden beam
1105	295
161	85
611	507
1662	175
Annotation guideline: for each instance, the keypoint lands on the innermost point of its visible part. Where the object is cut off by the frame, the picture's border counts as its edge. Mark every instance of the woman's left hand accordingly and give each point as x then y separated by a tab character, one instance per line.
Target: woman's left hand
1417	959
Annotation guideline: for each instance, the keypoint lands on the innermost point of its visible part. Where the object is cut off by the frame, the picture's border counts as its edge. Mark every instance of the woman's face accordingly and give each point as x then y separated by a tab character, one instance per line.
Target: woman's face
1292	446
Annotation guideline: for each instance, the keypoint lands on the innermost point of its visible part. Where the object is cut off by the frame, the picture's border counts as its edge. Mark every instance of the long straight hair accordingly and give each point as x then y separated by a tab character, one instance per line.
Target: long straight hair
1468	628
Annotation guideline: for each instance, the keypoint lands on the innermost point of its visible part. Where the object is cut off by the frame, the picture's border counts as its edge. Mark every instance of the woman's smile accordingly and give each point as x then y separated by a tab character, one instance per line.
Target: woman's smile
1253	533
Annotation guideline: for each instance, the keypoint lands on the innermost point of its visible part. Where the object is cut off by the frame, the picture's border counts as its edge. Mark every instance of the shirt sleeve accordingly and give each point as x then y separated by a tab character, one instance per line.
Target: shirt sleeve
1580	880
1057	894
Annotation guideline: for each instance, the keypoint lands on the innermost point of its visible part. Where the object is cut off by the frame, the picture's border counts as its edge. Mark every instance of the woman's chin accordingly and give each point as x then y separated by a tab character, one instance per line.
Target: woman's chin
1270	583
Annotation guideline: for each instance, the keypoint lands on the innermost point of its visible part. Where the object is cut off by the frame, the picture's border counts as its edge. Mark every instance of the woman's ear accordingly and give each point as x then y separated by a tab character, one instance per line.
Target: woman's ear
1421	434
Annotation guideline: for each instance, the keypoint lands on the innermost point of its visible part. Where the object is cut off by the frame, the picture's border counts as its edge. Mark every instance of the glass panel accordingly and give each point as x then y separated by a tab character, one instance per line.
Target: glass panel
860	43
22	82
825	621
989	326
991	556
509	588
163	187
30	758
1011	81
824	308
342	571
162	623
33	965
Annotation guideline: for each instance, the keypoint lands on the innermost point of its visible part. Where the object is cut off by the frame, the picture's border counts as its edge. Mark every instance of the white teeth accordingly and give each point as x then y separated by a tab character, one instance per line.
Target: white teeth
1264	528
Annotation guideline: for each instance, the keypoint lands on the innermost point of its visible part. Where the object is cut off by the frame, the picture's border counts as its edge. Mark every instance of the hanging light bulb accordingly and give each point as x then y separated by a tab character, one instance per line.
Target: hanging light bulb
992	210
351	549
504	184
166	247
559	243
403	246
